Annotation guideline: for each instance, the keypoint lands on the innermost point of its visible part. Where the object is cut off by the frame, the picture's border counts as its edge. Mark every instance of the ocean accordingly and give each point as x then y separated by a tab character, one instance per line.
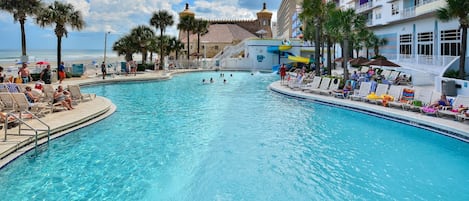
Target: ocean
11	57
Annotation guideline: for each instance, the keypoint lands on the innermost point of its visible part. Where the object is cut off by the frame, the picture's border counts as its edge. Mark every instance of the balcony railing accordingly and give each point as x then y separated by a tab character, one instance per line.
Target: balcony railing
408	12
363	7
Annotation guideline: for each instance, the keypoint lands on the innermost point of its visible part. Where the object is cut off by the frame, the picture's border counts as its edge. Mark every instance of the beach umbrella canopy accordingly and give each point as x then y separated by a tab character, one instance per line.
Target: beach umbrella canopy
380	61
42	63
20	62
340	59
358	61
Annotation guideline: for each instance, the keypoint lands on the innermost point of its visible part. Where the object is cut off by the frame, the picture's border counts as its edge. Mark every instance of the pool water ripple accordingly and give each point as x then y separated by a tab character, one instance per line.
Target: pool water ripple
182	140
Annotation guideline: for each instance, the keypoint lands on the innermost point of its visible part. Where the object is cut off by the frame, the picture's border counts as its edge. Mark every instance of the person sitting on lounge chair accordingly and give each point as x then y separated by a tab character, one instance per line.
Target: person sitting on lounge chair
440	103
32	98
63	97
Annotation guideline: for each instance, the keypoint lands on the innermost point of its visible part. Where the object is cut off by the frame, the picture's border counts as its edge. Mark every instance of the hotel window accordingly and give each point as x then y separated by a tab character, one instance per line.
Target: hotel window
378	16
425	43
450	42
395	8
405	42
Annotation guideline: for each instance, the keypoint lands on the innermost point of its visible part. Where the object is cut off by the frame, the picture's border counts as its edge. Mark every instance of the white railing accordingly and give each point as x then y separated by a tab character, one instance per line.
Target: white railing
408	12
363	7
424	2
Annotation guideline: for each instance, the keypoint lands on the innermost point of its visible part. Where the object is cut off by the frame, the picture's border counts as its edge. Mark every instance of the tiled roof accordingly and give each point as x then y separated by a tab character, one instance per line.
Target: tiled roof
221	33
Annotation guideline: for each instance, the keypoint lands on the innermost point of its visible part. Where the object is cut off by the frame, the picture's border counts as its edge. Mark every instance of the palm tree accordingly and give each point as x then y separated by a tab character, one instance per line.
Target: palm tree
329	33
187	24
314	9
458	9
348	22
142	35
200	28
176	46
161	20
126	46
63	15
376	43
20	10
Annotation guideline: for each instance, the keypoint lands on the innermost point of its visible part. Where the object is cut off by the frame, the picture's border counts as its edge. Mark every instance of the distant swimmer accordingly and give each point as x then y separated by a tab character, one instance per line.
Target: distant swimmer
224	81
231	75
211	80
203	81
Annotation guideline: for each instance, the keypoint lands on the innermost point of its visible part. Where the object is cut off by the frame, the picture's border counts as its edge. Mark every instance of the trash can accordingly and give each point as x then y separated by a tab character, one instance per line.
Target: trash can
448	87
78	69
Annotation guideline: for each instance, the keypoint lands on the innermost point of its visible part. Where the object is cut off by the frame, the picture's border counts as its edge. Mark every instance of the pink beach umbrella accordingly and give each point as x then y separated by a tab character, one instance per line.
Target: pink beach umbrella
42	63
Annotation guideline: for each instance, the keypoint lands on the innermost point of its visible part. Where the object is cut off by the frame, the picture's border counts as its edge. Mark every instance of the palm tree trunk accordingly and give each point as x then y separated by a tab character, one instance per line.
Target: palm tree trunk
198	45
329	52
188	46
59	53
23	39
161	50
317	48
345	57
462	58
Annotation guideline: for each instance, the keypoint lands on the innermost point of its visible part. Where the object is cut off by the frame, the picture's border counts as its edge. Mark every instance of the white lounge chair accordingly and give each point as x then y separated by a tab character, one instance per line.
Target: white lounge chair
395	92
453	110
312	85
325	82
76	95
364	90
422	98
381	90
407	94
334	85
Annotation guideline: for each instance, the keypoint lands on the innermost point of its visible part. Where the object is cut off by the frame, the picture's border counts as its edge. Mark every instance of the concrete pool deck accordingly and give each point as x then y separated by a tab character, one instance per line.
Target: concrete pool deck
99	108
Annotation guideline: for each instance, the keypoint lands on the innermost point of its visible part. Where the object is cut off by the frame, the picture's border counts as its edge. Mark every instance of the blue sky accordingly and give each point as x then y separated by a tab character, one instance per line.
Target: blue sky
119	17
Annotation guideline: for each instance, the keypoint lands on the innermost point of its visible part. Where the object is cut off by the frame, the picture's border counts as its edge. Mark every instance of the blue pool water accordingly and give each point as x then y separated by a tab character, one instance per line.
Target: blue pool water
181	140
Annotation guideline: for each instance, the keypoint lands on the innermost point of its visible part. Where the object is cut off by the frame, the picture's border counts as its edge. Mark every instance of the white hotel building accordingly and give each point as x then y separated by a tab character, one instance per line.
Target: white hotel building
417	39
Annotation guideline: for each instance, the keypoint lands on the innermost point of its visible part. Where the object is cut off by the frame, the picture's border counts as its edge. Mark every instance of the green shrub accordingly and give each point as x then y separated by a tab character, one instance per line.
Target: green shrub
451	74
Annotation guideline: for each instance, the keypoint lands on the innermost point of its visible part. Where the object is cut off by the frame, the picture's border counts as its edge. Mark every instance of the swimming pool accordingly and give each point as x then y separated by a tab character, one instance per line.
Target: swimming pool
182	140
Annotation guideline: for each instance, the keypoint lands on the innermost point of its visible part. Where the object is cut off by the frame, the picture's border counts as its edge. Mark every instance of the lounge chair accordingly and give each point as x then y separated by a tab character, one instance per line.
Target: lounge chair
48	98
297	83
334	86
422	98
76	95
325	82
453	110
22	104
407	95
364	90
8	103
393	95
344	92
381	90
312	85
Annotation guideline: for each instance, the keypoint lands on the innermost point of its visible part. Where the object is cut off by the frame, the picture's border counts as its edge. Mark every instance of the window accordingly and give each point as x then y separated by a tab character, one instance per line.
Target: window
450	42
425	43
405	46
378	16
395	8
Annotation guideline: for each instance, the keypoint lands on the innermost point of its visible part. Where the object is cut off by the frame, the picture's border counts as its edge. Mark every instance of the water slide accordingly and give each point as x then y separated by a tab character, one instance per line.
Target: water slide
292	57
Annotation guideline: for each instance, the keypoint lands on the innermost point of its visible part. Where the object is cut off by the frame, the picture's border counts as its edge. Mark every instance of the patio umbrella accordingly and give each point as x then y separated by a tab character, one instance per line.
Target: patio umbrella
380	61
261	32
358	61
340	59
42	63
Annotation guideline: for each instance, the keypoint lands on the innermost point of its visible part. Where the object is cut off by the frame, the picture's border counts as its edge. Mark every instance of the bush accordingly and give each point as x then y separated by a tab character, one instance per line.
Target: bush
451	74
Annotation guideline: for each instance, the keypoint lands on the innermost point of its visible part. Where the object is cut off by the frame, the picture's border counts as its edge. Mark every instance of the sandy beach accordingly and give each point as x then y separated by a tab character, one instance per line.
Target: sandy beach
10	68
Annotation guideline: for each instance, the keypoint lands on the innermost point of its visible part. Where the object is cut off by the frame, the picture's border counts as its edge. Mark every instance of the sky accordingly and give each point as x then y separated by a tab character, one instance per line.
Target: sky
118	17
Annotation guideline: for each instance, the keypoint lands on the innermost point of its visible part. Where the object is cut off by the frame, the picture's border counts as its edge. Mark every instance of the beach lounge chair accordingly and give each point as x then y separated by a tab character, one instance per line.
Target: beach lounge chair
381	90
406	96
297	83
364	69
393	95
325	82
312	85
22	105
48	98
422	98
344	92
8	103
393	76
76	94
453	110
362	92
334	86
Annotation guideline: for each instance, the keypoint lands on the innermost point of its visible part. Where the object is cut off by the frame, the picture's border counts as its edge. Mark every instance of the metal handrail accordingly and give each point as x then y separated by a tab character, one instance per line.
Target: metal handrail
18	118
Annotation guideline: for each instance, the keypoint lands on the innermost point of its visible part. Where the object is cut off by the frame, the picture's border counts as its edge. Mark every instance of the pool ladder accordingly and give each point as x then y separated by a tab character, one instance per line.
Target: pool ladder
36	131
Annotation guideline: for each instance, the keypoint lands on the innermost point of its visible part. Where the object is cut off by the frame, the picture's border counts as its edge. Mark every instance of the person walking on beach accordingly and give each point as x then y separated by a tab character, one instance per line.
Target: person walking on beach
2	76
103	69
24	73
61	70
45	75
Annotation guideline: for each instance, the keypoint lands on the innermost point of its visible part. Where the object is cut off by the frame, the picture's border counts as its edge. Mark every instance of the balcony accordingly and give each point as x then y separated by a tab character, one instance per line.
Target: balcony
364	7
427	6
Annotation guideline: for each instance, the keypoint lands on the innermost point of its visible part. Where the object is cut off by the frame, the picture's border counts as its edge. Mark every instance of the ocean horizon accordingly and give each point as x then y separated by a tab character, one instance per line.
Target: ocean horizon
13	55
